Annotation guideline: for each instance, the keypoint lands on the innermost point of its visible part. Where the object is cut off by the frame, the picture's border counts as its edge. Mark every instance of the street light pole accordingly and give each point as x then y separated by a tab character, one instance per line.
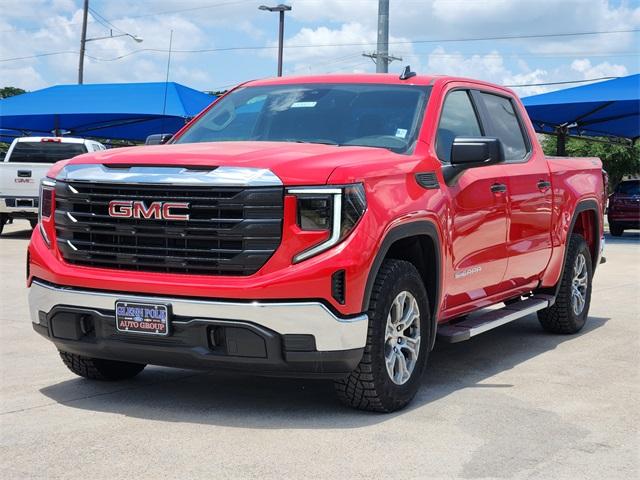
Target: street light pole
280	42
83	41
280	9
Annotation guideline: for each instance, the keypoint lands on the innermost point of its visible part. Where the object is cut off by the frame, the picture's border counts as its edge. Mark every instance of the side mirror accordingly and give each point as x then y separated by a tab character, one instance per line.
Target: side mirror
158	138
470	152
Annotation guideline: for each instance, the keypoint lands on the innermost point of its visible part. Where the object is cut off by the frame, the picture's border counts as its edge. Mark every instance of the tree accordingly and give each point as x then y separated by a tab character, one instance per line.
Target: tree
11	91
617	159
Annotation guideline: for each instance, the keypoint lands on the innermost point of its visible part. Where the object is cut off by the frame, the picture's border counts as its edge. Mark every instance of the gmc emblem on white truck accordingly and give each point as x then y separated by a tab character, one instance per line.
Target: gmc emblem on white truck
138	209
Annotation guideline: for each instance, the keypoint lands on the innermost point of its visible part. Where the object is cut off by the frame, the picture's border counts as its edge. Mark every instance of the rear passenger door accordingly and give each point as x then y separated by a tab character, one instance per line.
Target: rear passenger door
477	215
528	189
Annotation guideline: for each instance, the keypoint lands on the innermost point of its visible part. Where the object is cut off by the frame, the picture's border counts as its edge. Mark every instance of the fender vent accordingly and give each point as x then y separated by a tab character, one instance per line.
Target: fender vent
338	286
427	180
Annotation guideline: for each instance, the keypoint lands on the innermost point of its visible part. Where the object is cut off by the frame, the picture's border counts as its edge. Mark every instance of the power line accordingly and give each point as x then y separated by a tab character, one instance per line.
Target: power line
39	55
269	47
104	22
191	9
559	83
223	87
360	44
166	12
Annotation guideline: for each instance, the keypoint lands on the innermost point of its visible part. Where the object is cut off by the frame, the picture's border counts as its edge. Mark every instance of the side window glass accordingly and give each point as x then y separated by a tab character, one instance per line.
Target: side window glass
505	126
458	119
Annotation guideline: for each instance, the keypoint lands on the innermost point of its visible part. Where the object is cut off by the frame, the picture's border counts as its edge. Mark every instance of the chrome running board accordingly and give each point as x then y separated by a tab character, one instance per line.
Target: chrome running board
475	325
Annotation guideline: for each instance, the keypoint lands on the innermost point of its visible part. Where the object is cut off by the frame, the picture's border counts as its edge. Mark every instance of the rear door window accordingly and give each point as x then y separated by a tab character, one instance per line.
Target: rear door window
45	152
504	124
458	119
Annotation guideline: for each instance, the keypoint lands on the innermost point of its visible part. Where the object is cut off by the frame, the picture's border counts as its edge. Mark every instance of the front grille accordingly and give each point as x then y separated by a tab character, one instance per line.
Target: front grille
231	230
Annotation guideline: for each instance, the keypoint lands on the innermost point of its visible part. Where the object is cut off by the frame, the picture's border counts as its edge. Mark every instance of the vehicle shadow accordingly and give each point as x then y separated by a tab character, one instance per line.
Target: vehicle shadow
628	237
23	234
274	403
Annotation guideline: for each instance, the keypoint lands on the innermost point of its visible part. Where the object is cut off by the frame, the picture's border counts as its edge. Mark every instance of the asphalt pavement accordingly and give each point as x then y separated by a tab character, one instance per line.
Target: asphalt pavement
512	403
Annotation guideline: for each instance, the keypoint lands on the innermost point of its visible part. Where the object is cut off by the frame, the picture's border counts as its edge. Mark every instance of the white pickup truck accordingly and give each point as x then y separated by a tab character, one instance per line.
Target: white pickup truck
26	162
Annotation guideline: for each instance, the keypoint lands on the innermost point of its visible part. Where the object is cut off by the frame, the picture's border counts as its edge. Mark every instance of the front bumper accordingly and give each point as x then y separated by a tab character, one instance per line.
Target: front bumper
296	338
624	219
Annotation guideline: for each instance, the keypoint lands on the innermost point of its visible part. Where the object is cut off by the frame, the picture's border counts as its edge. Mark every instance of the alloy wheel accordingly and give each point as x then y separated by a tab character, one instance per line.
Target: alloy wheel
579	284
402	338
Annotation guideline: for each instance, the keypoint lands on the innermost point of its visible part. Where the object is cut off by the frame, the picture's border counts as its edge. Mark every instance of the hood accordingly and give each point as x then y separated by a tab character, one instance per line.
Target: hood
293	163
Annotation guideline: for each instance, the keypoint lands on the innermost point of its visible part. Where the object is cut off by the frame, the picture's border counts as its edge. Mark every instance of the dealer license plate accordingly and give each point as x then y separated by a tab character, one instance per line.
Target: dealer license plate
142	318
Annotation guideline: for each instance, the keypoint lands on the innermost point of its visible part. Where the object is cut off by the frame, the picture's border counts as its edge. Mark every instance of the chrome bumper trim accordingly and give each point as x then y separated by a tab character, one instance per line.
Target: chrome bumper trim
313	318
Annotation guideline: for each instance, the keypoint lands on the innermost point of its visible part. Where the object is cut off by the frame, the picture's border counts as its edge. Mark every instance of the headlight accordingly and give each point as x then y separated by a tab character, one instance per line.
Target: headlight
45	210
336	209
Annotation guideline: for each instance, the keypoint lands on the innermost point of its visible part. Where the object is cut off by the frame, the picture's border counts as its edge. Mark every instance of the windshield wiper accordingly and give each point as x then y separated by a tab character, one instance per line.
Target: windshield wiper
319	141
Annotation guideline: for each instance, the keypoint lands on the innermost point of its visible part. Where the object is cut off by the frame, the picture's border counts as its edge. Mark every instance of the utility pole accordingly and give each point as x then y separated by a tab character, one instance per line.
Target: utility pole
382	63
280	9
83	41
381	57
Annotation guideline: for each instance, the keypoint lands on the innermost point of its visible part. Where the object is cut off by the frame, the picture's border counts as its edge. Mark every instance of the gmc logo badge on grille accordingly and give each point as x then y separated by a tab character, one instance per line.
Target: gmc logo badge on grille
138	209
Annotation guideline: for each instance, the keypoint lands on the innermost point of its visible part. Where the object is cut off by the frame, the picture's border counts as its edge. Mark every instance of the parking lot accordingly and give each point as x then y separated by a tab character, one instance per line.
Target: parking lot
512	403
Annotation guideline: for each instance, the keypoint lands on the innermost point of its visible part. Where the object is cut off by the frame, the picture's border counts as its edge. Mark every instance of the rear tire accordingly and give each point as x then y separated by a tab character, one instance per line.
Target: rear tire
569	312
616	230
389	373
99	369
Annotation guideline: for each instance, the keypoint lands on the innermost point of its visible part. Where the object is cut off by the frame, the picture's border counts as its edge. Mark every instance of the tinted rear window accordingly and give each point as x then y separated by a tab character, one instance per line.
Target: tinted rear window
45	152
506	126
629	188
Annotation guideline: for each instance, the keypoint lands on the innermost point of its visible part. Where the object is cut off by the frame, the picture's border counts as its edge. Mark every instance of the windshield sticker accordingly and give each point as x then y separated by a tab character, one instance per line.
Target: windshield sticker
401	133
304	105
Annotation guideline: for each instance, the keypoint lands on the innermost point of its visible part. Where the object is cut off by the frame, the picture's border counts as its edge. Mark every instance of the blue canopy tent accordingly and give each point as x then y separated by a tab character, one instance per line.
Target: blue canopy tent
127	111
605	109
7	136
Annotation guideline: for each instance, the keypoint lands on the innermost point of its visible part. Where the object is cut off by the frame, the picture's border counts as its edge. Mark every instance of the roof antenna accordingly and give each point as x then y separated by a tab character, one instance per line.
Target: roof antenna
407	73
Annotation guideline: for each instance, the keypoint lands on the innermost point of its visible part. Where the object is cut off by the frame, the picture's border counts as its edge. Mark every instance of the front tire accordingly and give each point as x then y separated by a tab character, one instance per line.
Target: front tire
616	230
398	341
569	312
33	223
99	369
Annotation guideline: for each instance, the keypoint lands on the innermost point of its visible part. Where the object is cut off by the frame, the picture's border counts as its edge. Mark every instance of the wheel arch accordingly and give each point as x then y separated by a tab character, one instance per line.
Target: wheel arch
585	221
419	243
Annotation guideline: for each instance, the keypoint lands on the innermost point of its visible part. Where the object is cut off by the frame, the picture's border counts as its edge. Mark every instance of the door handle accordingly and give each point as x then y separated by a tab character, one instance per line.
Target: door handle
544	184
498	188
24	173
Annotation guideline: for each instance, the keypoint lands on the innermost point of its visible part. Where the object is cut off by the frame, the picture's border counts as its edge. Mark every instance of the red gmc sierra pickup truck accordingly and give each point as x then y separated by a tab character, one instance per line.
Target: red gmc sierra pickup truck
325	226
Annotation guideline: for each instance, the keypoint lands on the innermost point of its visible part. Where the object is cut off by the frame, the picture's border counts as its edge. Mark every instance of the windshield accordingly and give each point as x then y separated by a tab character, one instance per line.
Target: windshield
385	116
45	152
629	188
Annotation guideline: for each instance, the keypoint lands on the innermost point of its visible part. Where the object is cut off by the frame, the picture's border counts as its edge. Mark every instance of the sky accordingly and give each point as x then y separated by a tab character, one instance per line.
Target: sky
219	43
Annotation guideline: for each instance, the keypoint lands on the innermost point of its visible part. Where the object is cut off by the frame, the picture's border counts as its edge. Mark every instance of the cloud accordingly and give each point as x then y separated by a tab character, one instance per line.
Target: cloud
450	19
604	69
201	24
26	76
333	49
336	11
492	67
